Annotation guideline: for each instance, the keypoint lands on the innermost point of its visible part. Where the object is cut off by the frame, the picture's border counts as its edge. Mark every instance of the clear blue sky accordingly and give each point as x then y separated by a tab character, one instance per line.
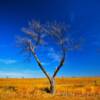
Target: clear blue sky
82	15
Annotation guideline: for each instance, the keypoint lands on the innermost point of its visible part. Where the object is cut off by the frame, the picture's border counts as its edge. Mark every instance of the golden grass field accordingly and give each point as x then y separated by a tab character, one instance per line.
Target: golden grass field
36	89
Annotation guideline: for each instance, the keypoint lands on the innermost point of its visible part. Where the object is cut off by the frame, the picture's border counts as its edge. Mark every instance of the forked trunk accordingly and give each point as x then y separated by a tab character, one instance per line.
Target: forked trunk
52	86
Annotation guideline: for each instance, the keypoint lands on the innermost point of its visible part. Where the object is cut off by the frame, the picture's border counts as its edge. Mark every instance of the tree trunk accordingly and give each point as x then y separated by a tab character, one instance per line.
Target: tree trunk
52	86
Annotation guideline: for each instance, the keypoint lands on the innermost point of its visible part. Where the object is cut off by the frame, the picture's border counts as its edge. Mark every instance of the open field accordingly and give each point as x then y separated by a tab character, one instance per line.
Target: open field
37	89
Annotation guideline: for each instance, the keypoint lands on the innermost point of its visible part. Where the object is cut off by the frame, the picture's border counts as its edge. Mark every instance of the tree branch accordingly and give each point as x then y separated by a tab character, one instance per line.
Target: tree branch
60	64
40	65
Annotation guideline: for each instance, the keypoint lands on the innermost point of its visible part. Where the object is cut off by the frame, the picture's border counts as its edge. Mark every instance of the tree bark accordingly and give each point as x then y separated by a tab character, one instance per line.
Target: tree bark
52	86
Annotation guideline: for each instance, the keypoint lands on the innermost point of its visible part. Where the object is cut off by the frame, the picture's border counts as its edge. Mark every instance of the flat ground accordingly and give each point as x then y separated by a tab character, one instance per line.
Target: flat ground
37	89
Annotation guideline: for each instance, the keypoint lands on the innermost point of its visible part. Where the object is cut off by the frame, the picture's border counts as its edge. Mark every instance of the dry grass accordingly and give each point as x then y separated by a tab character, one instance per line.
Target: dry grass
36	89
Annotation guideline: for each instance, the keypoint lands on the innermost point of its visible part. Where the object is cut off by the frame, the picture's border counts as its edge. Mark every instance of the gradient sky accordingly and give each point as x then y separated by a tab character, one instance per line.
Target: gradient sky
83	16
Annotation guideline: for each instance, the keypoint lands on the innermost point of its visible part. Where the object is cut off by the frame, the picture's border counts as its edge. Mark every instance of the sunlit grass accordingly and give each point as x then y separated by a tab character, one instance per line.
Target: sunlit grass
36	89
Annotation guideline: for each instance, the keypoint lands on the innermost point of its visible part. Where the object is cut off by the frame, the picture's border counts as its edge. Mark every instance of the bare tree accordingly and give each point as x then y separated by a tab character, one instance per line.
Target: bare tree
36	35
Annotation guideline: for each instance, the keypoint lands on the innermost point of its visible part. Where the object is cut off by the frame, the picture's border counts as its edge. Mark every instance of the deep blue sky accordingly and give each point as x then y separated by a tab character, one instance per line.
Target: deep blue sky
83	16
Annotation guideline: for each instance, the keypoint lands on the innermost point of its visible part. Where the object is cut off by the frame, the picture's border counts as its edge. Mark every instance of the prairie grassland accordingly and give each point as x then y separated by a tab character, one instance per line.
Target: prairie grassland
37	89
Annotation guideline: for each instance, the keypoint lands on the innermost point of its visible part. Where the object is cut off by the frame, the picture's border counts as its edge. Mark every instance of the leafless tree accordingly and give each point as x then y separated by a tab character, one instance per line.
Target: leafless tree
35	36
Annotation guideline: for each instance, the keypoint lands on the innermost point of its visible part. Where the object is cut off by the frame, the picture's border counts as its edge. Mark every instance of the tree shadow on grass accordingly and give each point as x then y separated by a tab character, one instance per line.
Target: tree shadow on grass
46	89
